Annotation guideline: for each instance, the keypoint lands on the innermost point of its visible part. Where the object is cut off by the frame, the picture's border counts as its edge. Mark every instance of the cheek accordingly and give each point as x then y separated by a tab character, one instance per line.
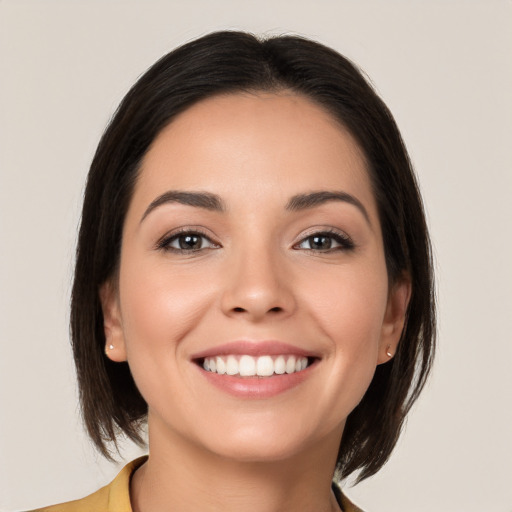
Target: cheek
161	305
349	311
350	306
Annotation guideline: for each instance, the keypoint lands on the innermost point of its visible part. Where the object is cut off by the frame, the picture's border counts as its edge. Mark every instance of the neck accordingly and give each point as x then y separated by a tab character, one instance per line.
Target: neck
182	476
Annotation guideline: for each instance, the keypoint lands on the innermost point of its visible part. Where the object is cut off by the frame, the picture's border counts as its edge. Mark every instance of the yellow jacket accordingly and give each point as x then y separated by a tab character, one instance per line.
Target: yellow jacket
115	497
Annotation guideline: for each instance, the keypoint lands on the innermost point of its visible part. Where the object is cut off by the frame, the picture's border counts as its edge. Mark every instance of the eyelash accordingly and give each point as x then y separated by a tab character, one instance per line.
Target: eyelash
165	243
344	242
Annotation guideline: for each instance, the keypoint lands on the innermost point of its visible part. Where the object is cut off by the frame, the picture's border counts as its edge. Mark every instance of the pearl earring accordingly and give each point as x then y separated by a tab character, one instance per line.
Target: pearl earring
388	351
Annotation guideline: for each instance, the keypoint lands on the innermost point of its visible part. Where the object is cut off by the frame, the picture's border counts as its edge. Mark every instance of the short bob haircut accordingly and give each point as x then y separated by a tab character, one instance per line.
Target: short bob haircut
232	62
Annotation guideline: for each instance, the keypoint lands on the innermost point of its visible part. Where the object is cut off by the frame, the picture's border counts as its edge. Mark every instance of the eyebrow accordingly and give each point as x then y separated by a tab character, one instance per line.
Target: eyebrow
204	200
313	199
213	202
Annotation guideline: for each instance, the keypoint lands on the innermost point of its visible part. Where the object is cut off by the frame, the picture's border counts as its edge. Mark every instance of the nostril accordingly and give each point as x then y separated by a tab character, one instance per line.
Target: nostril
276	309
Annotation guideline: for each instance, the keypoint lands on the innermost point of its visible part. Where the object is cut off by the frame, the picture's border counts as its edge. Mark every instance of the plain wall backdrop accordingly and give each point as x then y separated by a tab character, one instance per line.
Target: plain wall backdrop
444	69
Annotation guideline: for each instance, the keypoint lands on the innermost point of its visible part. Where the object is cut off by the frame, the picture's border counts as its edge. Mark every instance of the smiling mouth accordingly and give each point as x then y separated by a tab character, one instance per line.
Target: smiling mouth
262	366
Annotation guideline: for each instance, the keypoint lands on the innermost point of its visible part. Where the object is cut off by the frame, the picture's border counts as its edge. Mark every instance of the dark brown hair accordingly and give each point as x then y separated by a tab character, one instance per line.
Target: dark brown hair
229	62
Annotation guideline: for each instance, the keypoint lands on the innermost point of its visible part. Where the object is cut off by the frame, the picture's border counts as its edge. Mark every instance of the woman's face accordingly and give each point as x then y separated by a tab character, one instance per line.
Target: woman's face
251	248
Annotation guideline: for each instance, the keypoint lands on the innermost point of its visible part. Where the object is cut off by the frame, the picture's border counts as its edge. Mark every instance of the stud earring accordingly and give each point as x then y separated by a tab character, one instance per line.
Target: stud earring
388	351
108	347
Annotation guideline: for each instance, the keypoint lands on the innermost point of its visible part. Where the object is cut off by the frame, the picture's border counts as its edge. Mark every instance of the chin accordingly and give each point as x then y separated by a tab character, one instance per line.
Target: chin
262	443
260	451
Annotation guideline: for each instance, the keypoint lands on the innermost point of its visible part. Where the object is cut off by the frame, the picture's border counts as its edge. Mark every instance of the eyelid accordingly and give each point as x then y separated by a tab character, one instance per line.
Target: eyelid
343	239
163	242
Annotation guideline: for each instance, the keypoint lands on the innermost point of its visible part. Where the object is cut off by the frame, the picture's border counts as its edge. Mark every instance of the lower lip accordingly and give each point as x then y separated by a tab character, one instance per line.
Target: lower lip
256	387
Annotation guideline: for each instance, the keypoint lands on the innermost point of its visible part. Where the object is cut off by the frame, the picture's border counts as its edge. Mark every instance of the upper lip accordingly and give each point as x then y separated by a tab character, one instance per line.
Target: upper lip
254	348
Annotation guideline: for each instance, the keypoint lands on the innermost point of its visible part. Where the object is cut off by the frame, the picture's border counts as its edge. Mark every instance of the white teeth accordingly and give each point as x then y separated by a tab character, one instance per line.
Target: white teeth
290	365
220	364
249	366
280	365
265	366
231	366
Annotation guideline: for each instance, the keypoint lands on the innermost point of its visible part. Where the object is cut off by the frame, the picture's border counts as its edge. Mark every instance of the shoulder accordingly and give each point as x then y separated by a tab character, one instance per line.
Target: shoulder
96	502
114	497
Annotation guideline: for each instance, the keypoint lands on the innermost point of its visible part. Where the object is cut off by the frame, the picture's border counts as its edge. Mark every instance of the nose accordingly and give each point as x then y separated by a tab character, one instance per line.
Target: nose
258	287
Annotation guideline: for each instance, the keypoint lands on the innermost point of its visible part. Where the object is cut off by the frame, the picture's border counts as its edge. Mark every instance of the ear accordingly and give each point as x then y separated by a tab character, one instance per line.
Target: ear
394	318
115	348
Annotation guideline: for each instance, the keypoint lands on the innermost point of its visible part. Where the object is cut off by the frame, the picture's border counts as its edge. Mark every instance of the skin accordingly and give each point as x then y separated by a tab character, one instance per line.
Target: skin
255	278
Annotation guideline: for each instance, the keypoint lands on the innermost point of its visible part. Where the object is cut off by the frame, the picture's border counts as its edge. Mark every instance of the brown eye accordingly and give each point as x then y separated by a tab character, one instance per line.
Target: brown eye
190	242
326	242
187	241
320	242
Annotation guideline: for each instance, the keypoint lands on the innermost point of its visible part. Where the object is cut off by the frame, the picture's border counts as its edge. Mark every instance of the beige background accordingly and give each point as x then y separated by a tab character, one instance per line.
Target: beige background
444	69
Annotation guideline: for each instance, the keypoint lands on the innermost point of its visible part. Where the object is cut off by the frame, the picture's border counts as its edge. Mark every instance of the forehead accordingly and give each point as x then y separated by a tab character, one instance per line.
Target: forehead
255	145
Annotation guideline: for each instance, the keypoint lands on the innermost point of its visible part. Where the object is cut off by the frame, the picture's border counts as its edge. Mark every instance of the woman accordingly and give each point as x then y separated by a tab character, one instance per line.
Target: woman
253	279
